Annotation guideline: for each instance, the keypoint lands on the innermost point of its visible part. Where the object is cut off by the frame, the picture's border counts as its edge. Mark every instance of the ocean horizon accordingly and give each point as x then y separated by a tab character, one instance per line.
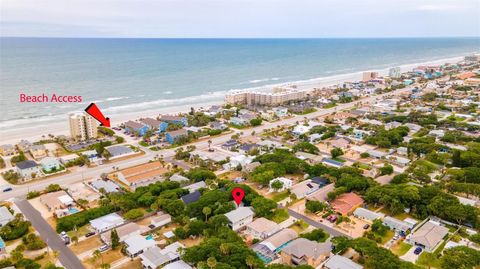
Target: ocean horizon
139	74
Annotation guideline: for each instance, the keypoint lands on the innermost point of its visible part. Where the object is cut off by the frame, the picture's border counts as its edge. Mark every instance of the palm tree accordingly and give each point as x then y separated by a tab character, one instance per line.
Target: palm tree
206	211
224	249
105	266
211	262
97	254
250	261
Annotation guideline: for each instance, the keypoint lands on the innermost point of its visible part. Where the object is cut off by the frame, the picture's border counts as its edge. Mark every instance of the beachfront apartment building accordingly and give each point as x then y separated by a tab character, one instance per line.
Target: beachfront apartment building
277	96
136	128
82	126
168	119
367	76
172	136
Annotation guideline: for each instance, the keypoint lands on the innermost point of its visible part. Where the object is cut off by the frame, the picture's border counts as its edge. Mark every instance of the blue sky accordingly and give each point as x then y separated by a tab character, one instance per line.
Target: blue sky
239	18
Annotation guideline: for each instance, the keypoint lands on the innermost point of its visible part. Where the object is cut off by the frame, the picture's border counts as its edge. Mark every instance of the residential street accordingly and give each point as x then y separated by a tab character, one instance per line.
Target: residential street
317	224
68	259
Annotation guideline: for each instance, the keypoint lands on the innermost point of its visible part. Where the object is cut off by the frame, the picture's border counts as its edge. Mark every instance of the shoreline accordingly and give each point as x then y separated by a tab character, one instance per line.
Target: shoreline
34	133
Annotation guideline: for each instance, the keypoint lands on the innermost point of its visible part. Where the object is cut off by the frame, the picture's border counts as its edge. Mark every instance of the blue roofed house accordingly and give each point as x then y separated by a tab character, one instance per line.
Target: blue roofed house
136	127
167	119
172	136
3	247
50	164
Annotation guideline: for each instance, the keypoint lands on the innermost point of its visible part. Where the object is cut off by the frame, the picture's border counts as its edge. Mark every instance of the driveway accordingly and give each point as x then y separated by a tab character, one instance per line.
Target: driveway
68	259
333	232
410	256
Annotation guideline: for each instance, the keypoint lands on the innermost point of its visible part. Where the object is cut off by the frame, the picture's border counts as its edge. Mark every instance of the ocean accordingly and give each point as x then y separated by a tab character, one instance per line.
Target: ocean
132	75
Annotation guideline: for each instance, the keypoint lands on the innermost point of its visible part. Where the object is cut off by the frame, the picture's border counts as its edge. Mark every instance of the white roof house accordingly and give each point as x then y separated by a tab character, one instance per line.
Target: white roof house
106	222
195	186
397	225
304	188
5	216
366	214
301	129
177	265
136	244
340	262
286	184
274	242
154	257
239	217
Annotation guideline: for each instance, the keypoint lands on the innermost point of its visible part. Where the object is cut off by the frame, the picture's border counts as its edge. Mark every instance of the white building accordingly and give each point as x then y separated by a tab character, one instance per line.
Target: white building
286	184
106	222
239	217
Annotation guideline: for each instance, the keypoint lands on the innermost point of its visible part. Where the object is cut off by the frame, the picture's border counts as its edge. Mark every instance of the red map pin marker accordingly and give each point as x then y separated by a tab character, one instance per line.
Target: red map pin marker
238	194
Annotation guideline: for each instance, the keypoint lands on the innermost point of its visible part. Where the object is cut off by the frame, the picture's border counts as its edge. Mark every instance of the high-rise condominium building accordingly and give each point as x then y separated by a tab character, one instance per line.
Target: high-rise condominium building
394	72
367	76
276	96
82	126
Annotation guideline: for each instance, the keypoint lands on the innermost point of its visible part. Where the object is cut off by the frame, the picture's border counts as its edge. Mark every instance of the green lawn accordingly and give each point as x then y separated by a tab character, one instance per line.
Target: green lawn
277	197
401	249
280	215
428	260
387	237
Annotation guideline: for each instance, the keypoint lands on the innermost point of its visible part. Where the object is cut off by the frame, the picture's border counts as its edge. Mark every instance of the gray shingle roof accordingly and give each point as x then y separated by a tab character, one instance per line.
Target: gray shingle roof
26	164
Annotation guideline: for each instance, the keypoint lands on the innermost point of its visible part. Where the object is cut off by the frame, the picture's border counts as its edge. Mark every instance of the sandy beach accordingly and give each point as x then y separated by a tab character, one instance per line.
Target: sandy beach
34	133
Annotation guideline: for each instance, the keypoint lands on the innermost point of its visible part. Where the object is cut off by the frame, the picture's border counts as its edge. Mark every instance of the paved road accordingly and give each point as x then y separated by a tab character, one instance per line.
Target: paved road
68	259
317	224
74	177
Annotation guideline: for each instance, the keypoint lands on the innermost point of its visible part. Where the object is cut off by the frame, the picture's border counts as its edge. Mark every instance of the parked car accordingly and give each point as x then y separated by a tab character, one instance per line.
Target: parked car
6	188
89	234
103	248
417	251
396	237
366	226
151	226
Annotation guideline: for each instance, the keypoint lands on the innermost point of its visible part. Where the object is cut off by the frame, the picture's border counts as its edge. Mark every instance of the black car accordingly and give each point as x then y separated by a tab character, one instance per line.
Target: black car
89	234
366	226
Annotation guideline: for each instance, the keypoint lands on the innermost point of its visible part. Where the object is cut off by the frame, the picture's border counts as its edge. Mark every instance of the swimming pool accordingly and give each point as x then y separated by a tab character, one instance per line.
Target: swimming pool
149	237
72	210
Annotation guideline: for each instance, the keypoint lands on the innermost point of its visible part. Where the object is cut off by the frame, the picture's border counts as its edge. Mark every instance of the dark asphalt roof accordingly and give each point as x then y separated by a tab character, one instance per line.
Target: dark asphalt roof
26	164
191	197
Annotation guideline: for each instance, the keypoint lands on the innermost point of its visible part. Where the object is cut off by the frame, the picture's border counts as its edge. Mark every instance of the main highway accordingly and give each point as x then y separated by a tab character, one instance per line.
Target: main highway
94	172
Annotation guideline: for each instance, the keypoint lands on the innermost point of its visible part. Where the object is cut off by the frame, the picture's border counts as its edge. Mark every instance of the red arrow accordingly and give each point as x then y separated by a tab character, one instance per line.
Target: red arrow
95	112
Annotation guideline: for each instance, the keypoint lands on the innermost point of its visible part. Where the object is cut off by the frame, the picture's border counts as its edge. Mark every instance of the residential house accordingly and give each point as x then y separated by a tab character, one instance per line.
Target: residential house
24	145
178	265
5	216
286	184
137	244
160	219
137	128
385	179
397	225
269	247
347	202
360	134
239	218
50	164
152	124
172	136
106	185
57	200
167	119
302	251
178	178
300	129
308	157
68	158
106	222
304	188
341	143
238	121
216	125
340	262
281	112
262	228
119	151
28	169
123	232
38	151
377	154
154	257
191	197
365	214
332	163
429	235
195	186
321	195
7	150
92	155
230	144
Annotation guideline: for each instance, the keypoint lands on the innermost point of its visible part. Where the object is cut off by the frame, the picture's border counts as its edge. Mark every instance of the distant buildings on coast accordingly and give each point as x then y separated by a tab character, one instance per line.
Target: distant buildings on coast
277	96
